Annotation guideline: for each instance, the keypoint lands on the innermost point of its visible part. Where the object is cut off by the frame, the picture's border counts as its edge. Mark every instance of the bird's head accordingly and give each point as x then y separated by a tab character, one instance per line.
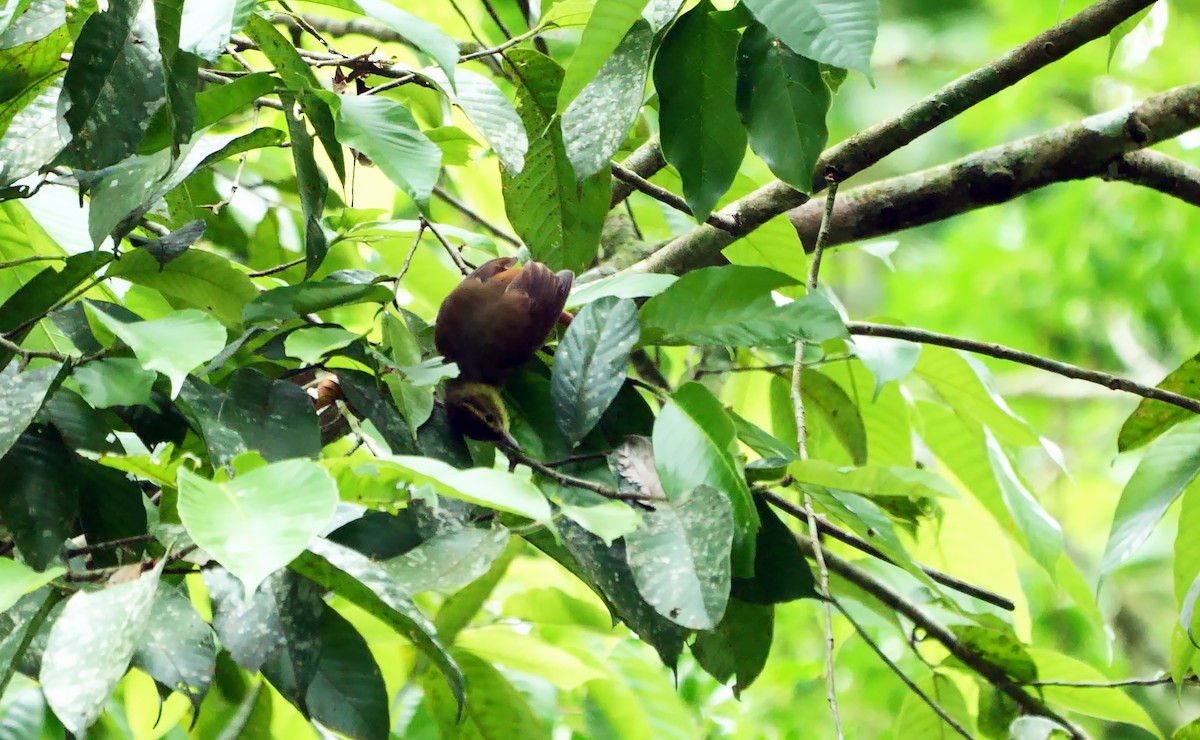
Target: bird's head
475	409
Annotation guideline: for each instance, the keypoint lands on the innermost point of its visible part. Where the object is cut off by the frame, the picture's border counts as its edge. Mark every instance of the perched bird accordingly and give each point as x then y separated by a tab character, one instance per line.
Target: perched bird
492	323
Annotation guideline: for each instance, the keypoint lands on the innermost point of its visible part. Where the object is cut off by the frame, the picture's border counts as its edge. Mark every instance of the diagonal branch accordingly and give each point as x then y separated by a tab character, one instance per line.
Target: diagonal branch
1100	146
999	351
702	245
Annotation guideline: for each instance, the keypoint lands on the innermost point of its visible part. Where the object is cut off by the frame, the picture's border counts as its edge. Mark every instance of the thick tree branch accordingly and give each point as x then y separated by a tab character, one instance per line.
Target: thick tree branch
1100	146
1159	172
701	246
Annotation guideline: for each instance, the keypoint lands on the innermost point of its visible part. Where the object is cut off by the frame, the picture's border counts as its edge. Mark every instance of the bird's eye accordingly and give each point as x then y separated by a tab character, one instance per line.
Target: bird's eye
489	418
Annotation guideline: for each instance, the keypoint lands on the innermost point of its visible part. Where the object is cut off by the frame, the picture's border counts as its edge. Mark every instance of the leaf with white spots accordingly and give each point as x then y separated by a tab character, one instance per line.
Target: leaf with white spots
90	646
590	364
259	521
172	345
597	121
447	561
21	397
680	557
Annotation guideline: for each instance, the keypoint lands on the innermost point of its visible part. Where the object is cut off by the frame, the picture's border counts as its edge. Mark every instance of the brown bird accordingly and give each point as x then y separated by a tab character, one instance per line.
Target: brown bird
492	323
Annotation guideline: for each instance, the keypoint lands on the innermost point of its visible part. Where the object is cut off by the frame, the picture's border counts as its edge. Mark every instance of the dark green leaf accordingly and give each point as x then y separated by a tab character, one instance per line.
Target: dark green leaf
679	556
996	641
835	408
457	611
447	561
386	132
702	137
212	105
838	32
559	219
590	364
312	184
40	494
737	310
283	617
366	585
290	301
273	417
259	138
782	101
694	444
81	426
113	83
177	649
347	693
1151	418
494	708
110	508
366	400
781	573
180	72
739	645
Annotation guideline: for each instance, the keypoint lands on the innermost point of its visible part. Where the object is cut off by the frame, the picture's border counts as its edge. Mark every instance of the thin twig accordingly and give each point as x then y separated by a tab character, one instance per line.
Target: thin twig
462	265
303	23
136	539
237	176
981	665
277	268
1001	352
573	482
802	449
496	17
937	708
35	258
662	195
572	459
467	22
474	217
411	252
848	538
31	630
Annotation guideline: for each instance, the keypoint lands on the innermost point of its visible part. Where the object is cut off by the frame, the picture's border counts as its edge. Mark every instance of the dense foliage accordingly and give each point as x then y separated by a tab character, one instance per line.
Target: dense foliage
231	500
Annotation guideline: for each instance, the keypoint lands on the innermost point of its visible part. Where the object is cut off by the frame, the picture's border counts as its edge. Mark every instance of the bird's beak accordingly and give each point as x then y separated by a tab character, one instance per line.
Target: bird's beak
510	441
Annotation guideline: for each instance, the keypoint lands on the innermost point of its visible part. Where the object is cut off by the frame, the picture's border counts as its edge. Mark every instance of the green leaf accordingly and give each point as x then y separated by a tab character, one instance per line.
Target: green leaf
737	310
494	708
916	719
888	359
527	654
1123	29
197	278
694	444
739	645
837	32
679	556
421	33
781	574
272	417
18	579
113	83
290	301
609	521
172	345
40	496
961	384
310	344
21	397
31	138
1161	477
492	114
50	285
207	26
997	642
1106	703
212	105
386	132
783	101
447	561
313	186
821	394
363	583
872	481
590	364
1151	418
460	608
558	218
1043	535
259	521
596	123
606	27
347	694
413	398
635	285
695	75
180	72
90	646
